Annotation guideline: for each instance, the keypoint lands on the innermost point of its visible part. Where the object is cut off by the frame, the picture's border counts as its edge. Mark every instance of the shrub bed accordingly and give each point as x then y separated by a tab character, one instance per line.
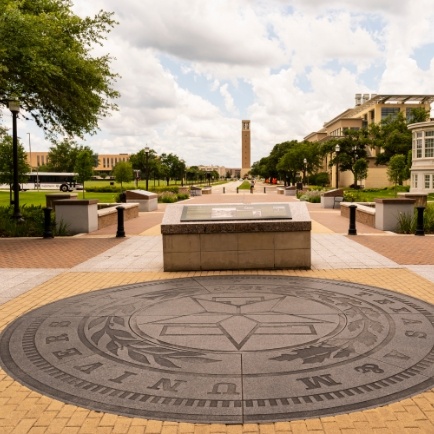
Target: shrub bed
32	224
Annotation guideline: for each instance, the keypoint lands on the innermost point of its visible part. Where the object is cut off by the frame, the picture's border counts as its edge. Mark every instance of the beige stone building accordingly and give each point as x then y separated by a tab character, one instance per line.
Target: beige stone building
106	161
368	109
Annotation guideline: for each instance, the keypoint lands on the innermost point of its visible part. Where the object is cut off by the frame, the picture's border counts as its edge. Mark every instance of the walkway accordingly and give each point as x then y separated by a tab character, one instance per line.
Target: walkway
35	272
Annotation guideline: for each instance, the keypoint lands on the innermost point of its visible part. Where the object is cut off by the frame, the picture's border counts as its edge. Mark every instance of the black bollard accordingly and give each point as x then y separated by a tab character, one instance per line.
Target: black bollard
419	226
47	223
251	190
352	229
265	190
121	231
224	191
237	189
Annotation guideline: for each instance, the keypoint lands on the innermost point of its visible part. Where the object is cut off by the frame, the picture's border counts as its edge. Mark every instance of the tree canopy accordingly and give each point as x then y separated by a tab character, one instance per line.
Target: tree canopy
123	172
84	164
392	136
148	164
397	169
46	61
6	160
352	147
62	156
172	167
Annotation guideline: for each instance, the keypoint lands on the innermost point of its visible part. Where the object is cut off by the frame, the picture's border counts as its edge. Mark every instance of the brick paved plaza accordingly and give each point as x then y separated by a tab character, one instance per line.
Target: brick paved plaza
35	272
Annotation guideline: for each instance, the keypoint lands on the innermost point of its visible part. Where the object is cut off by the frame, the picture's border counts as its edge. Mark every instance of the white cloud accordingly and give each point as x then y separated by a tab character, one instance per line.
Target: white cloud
192	70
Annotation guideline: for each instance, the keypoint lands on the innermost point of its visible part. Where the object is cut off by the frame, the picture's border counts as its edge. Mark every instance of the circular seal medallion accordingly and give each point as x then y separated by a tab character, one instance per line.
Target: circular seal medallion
228	349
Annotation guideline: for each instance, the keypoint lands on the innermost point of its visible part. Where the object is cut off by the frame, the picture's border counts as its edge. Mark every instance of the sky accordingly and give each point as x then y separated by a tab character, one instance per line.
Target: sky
191	70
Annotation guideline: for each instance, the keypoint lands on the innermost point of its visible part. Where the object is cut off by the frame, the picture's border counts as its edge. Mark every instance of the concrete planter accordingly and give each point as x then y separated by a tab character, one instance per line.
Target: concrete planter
147	201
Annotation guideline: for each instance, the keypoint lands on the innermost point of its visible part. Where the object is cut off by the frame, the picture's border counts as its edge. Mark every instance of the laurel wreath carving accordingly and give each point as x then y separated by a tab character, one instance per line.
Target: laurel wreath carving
111	333
361	319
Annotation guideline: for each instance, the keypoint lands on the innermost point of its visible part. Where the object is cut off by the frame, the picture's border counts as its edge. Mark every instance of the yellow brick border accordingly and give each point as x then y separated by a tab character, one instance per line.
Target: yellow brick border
25	411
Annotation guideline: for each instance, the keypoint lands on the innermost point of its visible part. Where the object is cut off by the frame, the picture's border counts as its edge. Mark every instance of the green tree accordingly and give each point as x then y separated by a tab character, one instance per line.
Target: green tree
172	167
270	163
259	168
192	174
360	169
397	170
62	156
47	60
299	157
84	164
392	137
147	164
6	161
123	172
290	163
352	147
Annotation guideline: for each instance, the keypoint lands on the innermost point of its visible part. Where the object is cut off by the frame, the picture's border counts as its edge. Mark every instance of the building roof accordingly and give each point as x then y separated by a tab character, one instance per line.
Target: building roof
364	101
379	99
390	99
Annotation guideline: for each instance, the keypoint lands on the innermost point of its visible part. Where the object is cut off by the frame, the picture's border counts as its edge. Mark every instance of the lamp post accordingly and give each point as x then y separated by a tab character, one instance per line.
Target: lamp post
305	169
337	149
30	154
147	166
14	107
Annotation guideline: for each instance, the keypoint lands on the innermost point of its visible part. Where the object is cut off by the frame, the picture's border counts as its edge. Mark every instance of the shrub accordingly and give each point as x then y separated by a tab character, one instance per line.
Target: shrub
313	196
32	224
183	196
167	197
350	196
321	178
407	223
104	189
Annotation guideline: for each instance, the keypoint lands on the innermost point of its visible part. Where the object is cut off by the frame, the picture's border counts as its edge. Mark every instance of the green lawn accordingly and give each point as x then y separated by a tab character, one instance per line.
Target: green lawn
370	196
38	197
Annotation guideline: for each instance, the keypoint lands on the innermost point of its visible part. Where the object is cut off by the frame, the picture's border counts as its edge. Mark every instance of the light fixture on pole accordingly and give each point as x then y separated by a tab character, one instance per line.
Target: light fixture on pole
147	166
337	150
305	169
14	107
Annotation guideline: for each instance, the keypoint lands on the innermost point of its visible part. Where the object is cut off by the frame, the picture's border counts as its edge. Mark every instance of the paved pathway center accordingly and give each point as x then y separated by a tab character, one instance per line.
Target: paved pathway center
35	273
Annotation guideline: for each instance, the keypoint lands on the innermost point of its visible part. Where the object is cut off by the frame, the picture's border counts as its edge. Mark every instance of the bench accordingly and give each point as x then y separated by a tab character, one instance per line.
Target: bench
337	199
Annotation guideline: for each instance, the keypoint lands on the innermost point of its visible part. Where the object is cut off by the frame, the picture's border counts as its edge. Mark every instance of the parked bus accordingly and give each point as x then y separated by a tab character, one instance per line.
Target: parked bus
63	181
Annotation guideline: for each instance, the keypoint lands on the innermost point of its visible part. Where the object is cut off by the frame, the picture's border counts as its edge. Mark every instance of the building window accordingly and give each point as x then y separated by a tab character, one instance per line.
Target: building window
419	148
389	111
427	181
429	147
414	181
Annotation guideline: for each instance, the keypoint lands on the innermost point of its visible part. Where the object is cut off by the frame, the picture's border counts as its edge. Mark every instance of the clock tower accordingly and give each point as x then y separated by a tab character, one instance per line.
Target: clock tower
245	147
